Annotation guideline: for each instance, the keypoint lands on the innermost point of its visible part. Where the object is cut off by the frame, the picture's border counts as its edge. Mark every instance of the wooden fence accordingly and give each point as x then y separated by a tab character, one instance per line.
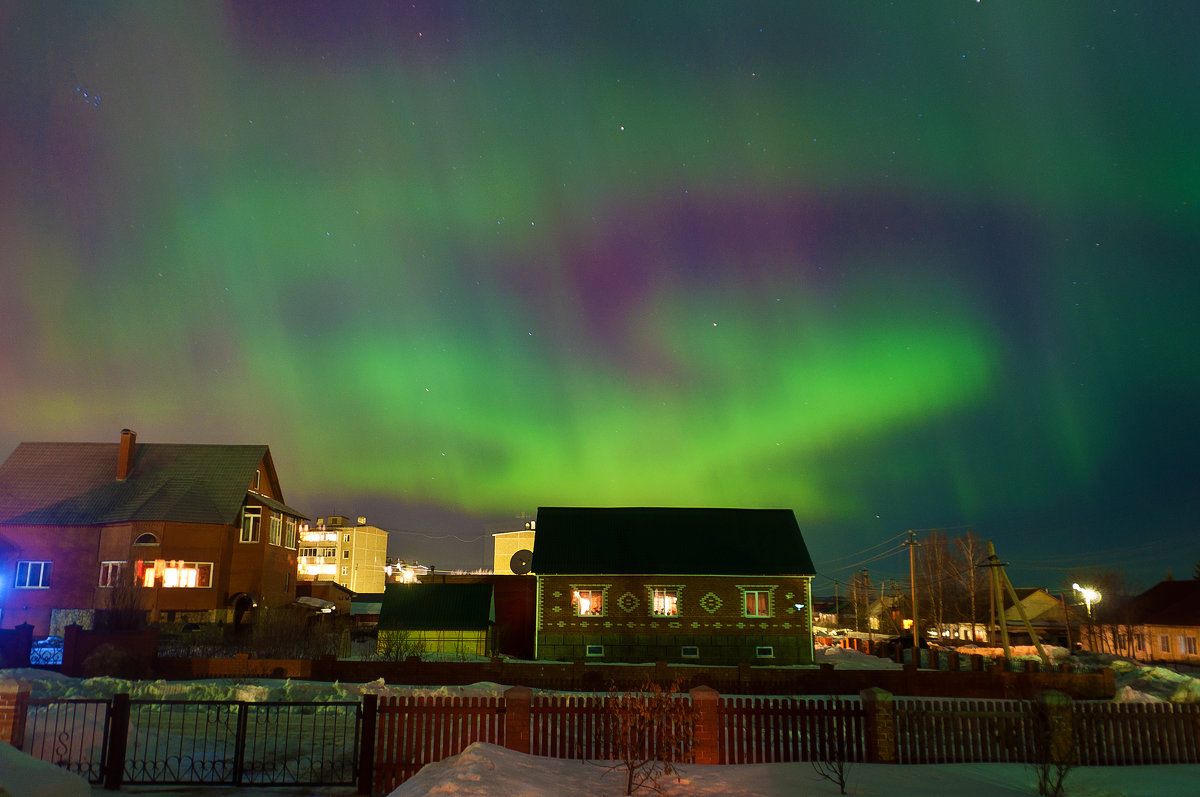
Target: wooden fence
402	734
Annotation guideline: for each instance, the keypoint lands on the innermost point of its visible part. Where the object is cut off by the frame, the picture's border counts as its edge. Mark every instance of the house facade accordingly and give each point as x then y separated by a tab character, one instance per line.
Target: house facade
1164	622
705	586
174	532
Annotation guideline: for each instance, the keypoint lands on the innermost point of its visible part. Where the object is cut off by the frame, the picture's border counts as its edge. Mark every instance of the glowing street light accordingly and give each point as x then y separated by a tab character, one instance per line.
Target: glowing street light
1090	596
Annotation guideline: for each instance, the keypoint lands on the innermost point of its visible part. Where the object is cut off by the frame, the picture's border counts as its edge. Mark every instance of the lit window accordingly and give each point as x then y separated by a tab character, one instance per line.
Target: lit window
664	601
32	575
276	529
758	603
110	573
174	573
251	520
588	602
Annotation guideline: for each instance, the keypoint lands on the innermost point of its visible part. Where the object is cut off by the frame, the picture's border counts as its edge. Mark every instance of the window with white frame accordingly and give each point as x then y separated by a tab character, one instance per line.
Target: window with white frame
276	529
32	575
110	573
251	521
289	537
588	601
664	601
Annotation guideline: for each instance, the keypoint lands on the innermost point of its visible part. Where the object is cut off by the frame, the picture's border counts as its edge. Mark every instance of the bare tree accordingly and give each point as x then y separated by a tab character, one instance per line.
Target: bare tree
971	583
649	730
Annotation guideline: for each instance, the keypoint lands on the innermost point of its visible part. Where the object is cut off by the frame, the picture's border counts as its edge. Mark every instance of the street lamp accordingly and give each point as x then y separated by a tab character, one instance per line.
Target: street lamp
1090	596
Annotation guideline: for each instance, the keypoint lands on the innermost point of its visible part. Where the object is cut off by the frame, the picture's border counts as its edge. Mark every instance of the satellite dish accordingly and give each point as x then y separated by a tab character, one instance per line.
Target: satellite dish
521	562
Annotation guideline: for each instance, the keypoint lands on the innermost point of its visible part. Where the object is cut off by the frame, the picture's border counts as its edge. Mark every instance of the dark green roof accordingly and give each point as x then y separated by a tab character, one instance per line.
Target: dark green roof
75	484
432	607
669	541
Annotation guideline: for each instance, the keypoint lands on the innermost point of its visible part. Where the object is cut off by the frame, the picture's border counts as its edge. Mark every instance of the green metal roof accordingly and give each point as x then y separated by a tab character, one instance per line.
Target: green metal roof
75	484
669	541
432	607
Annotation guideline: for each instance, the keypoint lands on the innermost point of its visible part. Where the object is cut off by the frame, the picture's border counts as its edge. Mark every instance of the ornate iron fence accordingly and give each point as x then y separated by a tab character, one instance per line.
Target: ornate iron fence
201	742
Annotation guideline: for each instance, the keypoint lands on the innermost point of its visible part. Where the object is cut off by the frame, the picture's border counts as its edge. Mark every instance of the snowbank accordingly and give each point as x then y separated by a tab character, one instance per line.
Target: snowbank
485	770
26	776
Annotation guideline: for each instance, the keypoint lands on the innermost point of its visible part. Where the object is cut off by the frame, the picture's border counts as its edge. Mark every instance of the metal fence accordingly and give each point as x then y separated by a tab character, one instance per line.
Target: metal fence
203	742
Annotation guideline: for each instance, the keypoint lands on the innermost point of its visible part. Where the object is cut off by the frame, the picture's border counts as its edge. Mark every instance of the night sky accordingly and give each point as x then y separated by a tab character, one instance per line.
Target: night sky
893	266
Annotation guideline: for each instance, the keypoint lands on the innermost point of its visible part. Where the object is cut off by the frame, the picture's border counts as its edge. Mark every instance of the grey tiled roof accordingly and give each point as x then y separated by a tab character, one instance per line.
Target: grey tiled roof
61	484
672	541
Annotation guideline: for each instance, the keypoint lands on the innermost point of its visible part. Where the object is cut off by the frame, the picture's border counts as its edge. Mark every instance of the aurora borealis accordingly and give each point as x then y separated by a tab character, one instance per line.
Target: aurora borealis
889	266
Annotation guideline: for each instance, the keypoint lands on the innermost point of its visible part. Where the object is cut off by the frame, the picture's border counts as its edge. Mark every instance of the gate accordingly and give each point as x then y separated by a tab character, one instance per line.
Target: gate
202	742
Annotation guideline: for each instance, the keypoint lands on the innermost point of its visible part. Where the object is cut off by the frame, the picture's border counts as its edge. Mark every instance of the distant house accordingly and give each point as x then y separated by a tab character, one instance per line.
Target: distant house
455	619
183	532
1165	622
709	586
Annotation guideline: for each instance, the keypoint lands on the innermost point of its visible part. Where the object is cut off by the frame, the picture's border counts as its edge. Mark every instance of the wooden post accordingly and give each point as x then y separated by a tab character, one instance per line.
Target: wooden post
366	743
706	741
518	708
880	726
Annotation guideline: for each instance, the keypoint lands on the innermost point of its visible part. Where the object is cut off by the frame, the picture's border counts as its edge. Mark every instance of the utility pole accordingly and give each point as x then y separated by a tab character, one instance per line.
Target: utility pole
912	577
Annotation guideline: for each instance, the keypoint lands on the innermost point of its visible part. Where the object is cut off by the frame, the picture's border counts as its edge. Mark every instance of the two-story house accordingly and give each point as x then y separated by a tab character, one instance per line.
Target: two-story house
708	586
183	532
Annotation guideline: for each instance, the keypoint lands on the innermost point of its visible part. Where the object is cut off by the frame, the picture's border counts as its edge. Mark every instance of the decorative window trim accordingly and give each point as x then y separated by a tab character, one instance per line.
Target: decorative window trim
601	588
767	588
146	539
27	576
651	604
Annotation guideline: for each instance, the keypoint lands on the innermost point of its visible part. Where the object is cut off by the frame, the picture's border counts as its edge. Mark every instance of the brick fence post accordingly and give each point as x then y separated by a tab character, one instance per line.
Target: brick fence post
13	695
880	725
518	708
706	739
1054	709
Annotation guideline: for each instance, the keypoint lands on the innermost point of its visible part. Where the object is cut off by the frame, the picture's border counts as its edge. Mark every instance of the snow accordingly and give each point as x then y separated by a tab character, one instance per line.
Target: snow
25	776
484	769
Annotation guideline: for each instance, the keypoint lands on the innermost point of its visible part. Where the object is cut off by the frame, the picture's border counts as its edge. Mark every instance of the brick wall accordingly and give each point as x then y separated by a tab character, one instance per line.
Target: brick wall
711	618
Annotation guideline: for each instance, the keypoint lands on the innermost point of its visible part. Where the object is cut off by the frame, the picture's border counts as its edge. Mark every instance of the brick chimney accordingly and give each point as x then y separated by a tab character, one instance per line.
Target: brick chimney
125	456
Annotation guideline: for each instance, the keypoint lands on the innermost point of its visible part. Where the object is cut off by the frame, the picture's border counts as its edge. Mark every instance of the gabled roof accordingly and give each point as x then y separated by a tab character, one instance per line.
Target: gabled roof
430	607
669	541
75	484
1167	603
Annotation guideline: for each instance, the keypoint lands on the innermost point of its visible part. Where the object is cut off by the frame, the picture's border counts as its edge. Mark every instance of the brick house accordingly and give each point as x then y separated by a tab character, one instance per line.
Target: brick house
203	528
707	586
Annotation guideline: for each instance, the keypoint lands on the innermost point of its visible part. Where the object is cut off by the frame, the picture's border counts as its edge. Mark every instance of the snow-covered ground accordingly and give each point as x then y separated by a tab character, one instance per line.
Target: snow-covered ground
496	772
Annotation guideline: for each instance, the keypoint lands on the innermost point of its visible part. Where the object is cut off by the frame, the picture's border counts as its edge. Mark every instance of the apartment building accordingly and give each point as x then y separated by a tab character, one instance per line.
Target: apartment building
350	553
